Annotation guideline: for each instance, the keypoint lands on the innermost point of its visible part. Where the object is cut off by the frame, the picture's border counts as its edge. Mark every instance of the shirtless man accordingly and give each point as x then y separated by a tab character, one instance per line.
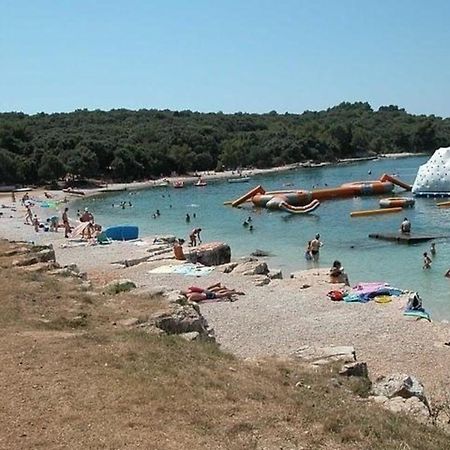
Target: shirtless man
315	247
65	220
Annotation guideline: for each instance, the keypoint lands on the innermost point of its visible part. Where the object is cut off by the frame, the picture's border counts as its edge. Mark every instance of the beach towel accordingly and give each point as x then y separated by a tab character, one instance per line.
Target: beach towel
188	269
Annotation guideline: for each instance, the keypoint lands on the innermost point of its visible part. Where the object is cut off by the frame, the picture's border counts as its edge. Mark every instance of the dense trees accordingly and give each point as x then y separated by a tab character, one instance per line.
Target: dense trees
128	145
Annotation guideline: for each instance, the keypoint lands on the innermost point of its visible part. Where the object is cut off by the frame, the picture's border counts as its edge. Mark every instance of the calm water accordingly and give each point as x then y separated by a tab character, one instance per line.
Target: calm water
285	236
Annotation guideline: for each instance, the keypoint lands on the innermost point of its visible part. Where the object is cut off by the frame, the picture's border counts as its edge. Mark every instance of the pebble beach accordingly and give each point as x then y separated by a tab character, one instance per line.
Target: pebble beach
276	319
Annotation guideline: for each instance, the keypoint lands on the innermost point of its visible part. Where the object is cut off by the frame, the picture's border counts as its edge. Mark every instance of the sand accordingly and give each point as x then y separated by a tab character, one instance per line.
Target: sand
276	319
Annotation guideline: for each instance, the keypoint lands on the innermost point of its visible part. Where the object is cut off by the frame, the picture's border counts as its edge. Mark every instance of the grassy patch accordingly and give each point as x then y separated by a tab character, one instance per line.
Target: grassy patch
110	388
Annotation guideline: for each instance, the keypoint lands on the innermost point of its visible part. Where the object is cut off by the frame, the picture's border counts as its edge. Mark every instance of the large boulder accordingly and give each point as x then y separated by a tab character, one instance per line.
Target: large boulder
252	268
37	255
399	385
183	319
211	254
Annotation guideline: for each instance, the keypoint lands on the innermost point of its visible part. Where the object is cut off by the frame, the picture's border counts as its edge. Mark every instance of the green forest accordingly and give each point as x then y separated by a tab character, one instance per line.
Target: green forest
133	145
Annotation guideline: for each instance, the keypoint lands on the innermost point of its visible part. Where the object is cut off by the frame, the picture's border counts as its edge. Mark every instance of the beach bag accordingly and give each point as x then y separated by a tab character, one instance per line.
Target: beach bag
336	296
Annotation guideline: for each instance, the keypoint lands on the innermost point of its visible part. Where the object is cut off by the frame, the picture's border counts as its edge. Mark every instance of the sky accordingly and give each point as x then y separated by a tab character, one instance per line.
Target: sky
229	55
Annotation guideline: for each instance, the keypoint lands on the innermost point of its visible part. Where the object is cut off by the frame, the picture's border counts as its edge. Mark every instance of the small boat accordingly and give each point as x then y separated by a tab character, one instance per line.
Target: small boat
200	183
239	180
178	184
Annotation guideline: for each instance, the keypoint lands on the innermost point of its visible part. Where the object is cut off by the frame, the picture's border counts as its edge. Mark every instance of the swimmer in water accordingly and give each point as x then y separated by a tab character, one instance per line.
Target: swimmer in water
188	218
433	249
426	261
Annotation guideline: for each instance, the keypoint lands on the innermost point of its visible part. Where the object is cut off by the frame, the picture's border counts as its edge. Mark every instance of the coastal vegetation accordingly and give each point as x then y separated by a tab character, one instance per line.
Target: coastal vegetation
130	145
74	377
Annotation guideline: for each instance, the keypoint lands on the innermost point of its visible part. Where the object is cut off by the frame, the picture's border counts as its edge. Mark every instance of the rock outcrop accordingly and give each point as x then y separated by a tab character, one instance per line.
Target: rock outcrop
211	254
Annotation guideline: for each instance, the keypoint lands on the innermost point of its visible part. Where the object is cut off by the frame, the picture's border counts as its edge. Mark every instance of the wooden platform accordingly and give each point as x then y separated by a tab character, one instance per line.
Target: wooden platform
404	238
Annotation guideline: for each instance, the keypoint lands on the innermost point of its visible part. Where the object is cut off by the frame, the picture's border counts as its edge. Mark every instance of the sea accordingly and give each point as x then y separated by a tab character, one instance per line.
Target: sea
284	236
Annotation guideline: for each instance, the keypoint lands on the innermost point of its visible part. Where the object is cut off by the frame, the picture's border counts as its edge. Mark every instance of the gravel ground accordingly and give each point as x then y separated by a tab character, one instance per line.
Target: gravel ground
279	318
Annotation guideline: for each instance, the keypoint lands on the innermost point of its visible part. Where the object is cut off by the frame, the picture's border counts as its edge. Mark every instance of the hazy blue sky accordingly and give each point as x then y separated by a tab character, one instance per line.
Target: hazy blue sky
229	55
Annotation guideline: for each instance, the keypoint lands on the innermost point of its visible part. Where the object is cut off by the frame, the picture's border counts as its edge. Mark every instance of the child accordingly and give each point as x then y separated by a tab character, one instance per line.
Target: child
426	261
36	223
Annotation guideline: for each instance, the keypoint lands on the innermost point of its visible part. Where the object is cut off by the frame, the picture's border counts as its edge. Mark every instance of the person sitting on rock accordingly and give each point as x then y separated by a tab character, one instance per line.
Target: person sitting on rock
337	274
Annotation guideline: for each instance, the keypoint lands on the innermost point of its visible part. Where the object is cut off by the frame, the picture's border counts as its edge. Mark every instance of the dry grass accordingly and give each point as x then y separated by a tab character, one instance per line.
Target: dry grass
72	379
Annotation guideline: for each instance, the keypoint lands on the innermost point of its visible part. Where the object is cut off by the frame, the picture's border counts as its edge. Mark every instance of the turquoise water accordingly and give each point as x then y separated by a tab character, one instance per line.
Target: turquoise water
285	236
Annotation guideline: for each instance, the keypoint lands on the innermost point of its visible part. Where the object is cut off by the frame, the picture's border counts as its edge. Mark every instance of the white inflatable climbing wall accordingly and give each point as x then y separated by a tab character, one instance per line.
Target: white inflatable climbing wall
433	177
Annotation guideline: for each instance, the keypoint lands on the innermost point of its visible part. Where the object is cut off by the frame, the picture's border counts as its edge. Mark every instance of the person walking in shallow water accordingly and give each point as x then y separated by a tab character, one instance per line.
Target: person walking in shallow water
426	261
315	247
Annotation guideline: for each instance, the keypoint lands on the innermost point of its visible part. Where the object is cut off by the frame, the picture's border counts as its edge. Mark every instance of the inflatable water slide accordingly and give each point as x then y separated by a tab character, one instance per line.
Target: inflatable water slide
303	202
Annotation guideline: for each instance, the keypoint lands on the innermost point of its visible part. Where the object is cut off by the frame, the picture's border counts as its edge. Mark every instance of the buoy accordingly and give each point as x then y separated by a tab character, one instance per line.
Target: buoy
370	212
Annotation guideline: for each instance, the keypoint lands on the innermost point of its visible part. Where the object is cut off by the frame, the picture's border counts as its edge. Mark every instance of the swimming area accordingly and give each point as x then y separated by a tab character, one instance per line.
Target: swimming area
285	236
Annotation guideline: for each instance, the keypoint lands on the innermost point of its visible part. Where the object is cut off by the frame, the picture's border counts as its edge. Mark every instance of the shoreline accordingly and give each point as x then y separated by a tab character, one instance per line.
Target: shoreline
206	176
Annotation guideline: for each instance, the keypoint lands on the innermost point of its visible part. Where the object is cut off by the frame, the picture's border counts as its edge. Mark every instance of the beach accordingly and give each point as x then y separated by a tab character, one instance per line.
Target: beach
275	319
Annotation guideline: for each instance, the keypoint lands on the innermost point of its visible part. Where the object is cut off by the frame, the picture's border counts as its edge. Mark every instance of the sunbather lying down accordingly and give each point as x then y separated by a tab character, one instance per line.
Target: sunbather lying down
216	291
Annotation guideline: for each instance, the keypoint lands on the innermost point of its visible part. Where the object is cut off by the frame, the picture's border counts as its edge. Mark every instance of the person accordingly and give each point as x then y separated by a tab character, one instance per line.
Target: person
25	198
47	195
88	231
414	302
245	223
426	261
158	212
188	218
216	291
433	249
53	223
447	274
315	247
337	274
28	215
65	220
13	196
195	234
405	227
250	228
87	216
308	255
36	223
249	219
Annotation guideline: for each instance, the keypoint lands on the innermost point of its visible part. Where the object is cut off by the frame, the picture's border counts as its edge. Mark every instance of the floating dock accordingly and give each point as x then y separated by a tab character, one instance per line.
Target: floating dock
404	238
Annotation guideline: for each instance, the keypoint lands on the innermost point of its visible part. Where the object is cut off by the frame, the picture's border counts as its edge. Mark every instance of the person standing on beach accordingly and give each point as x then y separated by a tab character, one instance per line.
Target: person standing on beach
65	220
36	223
315	247
28	216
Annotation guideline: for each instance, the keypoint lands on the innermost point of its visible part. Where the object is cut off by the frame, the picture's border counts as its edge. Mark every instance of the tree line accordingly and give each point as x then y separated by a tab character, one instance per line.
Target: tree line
126	145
